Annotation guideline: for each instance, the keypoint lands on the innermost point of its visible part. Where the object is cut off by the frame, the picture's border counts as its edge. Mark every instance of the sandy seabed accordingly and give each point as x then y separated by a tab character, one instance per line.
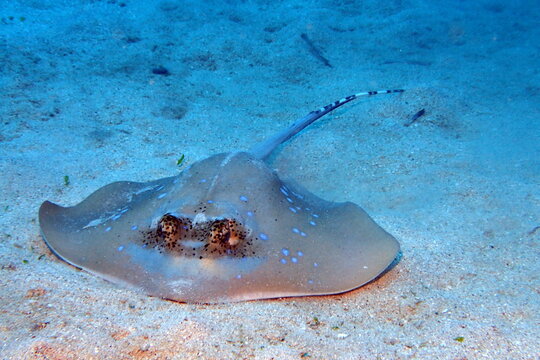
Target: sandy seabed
459	188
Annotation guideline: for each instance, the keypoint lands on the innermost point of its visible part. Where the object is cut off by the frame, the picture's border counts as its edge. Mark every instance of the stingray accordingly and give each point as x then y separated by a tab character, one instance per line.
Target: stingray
227	228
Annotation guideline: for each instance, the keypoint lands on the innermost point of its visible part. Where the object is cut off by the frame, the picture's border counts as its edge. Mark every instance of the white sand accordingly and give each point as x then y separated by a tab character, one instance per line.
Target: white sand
459	188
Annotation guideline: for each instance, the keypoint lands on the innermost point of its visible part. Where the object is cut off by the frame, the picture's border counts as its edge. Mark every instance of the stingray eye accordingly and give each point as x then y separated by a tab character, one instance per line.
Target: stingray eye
171	229
225	232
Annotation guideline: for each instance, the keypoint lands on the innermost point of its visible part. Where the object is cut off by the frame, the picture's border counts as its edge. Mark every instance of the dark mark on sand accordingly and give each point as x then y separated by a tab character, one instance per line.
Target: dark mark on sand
415	117
160	70
315	51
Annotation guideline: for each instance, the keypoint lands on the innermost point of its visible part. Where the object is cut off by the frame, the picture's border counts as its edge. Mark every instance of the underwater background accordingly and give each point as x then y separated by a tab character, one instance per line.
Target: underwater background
101	91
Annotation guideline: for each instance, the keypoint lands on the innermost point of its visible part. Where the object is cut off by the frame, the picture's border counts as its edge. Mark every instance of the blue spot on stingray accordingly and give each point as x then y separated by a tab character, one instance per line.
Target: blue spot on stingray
295	230
283	261
202	181
292	209
263	236
239	276
283	190
289	200
313	223
249	213
310	281
315	265
302	233
294	260
161	196
243	198
299	253
134	227
285	251
108	229
210	201
120	248
116	217
315	215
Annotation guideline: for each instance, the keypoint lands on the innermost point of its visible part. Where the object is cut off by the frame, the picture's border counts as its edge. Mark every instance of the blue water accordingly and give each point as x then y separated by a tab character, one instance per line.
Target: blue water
100	91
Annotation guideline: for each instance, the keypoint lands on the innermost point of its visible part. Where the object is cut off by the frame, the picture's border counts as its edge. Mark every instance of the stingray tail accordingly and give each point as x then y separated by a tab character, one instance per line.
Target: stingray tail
264	149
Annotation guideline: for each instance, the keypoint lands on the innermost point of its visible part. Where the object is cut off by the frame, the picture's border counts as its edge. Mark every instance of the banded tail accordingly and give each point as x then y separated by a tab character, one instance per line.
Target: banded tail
264	149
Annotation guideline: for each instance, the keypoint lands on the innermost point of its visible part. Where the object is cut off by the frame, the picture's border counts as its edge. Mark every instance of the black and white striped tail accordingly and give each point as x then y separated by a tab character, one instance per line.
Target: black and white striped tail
326	109
262	150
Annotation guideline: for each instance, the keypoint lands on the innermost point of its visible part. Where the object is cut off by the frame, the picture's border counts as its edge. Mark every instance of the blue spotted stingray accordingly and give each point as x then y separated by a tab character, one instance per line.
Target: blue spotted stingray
225	229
